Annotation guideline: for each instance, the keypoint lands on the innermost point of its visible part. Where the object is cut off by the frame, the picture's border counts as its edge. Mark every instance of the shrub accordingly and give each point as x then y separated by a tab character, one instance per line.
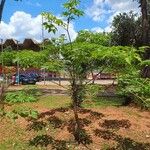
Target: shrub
28	94
92	90
19	97
26	112
32	90
136	89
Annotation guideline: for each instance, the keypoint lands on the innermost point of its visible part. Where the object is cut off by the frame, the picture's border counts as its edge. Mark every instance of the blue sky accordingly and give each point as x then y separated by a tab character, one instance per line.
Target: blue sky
22	20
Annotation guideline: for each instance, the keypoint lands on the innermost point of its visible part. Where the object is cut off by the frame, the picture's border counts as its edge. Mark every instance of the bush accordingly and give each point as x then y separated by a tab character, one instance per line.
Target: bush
26	112
19	97
32	90
92	90
28	94
136	89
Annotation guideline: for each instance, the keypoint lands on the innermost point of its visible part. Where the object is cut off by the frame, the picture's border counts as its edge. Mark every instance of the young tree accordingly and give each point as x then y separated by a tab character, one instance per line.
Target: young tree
78	57
74	56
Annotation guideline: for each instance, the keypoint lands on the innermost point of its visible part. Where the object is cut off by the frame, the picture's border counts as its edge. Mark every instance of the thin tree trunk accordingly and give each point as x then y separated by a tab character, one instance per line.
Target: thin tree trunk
145	22
145	36
1	8
2	89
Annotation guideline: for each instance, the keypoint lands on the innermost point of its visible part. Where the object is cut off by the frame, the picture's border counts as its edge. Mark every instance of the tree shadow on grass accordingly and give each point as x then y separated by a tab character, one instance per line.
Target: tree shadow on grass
92	114
95	115
71	124
122	143
45	140
115	124
52	112
47	113
36	125
80	134
53	91
55	122
84	111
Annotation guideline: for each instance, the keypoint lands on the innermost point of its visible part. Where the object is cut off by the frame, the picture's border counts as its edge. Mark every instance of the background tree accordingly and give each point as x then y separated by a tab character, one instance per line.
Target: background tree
145	9
127	30
29	58
93	37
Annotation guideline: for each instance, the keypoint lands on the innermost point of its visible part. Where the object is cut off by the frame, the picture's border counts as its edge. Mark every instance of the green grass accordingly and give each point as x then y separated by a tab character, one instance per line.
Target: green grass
47	102
12	144
57	101
102	102
54	101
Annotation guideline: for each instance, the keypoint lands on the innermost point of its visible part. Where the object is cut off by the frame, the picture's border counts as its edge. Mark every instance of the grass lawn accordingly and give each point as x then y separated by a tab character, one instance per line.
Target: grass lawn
107	124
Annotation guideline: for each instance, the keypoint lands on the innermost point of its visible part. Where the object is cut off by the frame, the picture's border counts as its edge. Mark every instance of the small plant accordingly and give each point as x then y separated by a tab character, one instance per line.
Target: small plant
135	89
106	147
11	115
92	90
19	97
26	112
32	90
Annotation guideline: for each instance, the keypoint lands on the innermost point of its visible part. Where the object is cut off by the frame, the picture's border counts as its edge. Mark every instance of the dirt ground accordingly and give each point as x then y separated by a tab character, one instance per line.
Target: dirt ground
109	128
102	128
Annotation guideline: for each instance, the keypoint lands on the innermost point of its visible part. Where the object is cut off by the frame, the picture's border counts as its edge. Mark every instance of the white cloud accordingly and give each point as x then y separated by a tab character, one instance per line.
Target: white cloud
100	30
22	25
108	29
97	11
123	5
101	8
97	29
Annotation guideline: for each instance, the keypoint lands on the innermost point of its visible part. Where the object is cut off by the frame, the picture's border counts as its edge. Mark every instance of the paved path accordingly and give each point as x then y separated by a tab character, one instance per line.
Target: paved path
101	82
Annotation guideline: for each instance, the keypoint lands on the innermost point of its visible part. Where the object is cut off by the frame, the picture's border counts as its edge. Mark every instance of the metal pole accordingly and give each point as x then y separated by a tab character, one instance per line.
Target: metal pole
42	33
18	71
18	65
44	76
2	49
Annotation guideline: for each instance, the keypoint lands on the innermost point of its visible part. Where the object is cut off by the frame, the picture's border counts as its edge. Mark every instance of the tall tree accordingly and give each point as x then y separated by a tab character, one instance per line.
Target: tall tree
1	8
145	8
145	21
2	4
126	30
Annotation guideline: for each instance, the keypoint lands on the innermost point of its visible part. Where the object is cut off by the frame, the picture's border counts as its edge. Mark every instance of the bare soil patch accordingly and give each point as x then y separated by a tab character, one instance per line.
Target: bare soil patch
108	128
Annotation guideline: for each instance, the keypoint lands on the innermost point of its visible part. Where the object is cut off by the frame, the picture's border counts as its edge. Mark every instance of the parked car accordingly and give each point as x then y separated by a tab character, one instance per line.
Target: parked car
36	76
24	79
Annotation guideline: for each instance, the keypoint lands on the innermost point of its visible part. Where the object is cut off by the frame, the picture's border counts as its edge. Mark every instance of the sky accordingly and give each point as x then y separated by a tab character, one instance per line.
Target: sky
23	20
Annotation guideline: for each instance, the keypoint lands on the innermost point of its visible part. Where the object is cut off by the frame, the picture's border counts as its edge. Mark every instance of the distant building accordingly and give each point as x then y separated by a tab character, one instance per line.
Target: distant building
28	44
31	44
